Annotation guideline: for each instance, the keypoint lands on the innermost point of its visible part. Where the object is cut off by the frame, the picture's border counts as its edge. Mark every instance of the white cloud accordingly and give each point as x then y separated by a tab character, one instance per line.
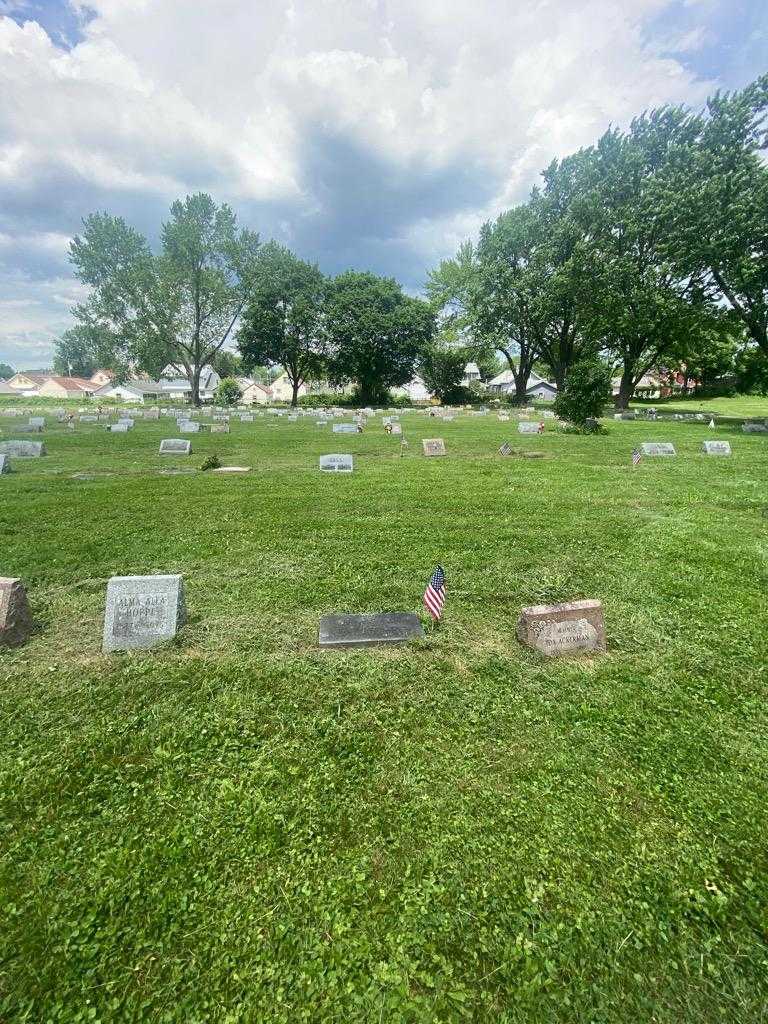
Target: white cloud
448	110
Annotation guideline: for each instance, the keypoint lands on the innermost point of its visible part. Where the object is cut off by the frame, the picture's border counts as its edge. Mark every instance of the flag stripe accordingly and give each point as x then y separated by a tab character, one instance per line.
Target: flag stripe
434	595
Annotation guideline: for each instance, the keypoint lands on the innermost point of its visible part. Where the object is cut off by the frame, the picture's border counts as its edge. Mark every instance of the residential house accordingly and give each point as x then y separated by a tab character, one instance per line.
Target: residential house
176	387
504	384
282	389
132	391
6	389
27	383
471	375
253	392
415	391
102	377
66	387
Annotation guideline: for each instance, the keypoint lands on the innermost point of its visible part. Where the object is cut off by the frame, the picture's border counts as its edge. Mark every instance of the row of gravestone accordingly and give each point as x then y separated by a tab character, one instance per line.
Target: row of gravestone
144	611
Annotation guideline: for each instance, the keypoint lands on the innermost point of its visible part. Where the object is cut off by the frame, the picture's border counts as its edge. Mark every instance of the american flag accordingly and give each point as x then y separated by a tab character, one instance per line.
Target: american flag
434	595
636	456
506	449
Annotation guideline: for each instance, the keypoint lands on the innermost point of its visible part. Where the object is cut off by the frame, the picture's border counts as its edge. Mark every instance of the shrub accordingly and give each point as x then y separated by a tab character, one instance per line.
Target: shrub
228	392
211	462
586	393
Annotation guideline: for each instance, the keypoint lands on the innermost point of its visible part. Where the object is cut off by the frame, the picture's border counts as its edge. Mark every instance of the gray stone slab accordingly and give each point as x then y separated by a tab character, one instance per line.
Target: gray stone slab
716	448
344	428
754	428
337	463
433	446
5	464
142	611
126	421
187	427
340	631
88	419
657	448
27	428
555	629
37	421
219	428
175	446
528	428
22	449
15	616
118	428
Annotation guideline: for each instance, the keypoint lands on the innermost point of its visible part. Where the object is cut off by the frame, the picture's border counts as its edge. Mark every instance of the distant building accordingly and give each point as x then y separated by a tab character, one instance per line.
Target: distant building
504	384
253	392
415	391
176	386
136	391
6	389
102	377
471	375
27	383
281	389
66	387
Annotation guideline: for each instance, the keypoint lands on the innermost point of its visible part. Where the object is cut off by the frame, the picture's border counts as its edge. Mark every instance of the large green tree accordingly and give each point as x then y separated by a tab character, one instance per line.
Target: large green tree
716	205
375	332
75	353
6	371
177	306
283	321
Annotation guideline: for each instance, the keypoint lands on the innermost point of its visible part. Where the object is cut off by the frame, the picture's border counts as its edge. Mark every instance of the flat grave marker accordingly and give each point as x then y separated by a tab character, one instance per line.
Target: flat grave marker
754	428
344	428
175	446
142	611
716	448
527	427
433	446
557	629
337	463
342	631
657	448
22	449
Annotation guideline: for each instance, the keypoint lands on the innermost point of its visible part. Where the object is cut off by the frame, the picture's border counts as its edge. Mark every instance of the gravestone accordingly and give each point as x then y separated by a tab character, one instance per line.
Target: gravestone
344	428
433	446
88	419
5	464
503	418
321	423
15	616
657	448
175	446
26	428
548	414
219	428
556	629
628	416
232	469
126	421
340	631
22	449
754	428
187	427
118	428
37	421
142	611
527	428
246	419
397	428
716	448
337	463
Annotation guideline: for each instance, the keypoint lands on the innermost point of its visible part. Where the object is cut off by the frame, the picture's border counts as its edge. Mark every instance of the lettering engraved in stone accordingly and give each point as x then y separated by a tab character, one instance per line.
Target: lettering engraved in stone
140	614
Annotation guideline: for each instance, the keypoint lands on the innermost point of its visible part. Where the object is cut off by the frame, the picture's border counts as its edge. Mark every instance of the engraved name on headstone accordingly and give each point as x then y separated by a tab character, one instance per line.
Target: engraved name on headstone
344	428
175	446
433	446
142	611
22	449
716	448
527	428
563	628
337	463
368	630
657	448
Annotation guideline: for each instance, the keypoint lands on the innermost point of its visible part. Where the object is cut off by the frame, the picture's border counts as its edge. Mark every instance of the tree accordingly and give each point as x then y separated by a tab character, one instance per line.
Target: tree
75	353
376	333
442	369
6	371
228	392
716	205
227	363
586	393
283	322
179	306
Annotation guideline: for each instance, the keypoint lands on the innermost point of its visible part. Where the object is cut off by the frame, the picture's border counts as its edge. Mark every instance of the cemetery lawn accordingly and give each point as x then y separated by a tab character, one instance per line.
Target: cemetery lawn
742	405
237	827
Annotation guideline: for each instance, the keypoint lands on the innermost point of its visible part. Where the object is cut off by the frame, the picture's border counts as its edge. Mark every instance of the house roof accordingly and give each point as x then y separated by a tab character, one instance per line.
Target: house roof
70	383
471	368
507	377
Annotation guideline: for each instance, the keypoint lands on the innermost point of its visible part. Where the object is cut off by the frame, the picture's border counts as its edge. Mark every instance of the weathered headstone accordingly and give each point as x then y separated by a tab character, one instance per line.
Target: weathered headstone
344	428
232	469
563	628
118	428
397	428
219	428
37	421
27	428
246	419
754	428
15	616
22	449
527	427
433	446
188	427
88	419
337	463
503	418
716	448
142	611
657	448
340	631
5	464
175	446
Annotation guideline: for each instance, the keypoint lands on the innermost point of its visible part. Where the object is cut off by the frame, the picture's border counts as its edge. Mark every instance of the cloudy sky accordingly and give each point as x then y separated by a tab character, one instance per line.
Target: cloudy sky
374	134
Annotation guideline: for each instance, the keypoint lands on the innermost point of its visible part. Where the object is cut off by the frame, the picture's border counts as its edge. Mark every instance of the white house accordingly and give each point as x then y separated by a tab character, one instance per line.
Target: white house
253	392
282	389
415	391
504	384
66	387
177	387
131	391
471	375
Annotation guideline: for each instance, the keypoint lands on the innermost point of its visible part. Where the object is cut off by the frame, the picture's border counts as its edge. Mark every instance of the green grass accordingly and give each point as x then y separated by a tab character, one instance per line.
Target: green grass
238	827
742	406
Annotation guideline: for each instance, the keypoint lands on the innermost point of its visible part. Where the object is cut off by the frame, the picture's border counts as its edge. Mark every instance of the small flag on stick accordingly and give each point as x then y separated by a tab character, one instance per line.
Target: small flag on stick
434	595
506	449
711	424
636	456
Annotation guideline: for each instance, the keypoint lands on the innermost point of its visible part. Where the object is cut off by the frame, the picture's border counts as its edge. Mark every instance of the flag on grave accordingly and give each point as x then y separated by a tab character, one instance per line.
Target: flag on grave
434	595
506	449
636	456
711	424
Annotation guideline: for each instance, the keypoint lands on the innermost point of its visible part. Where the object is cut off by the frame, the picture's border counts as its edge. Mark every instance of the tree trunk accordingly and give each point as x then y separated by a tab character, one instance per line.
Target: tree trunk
521	377
195	382
626	389
296	384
